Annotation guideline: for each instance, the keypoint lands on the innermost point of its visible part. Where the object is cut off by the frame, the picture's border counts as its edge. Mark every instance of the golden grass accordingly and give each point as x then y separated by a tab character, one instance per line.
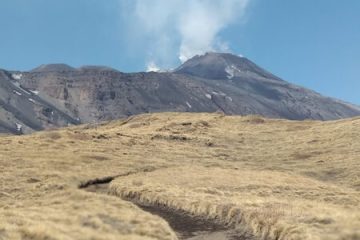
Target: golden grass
268	204
275	178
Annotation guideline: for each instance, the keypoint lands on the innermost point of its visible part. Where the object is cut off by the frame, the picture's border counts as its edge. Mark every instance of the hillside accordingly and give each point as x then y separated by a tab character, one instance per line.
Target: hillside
228	176
58	95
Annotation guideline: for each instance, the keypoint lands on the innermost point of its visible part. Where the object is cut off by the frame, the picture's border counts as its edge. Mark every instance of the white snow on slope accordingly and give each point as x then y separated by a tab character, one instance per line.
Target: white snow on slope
208	96
34	92
18	127
188	104
17	93
231	70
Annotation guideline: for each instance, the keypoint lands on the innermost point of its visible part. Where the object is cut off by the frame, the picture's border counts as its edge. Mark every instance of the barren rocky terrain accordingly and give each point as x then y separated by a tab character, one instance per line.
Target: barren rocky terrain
58	95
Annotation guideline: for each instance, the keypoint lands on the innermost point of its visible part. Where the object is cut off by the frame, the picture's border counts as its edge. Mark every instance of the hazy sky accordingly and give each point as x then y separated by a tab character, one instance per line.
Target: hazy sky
313	43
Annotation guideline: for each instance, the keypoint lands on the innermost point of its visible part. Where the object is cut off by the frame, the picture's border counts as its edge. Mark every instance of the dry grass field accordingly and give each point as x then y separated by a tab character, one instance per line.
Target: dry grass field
267	179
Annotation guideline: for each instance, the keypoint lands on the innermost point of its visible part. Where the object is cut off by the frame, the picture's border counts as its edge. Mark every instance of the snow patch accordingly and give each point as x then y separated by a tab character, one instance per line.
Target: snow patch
218	93
231	70
208	96
18	127
17	93
18	85
31	100
188	104
34	92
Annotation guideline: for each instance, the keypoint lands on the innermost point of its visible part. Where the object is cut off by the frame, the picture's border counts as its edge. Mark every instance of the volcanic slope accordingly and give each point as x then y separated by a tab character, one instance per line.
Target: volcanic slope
57	95
23	110
261	178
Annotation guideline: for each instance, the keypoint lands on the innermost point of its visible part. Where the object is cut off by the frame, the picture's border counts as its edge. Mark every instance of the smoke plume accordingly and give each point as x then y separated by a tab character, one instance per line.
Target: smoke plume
183	28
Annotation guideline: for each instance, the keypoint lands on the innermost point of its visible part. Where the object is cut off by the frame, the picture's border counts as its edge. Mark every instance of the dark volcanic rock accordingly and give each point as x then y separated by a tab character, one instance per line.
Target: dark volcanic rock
23	111
222	66
57	95
96	68
53	68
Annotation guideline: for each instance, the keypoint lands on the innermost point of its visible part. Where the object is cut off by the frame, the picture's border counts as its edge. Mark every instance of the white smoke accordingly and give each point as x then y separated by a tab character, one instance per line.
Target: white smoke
184	27
152	67
201	22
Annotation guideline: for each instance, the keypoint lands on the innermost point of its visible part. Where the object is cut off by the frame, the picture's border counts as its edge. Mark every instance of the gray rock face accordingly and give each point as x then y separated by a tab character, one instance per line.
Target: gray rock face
222	66
57	95
23	111
53	68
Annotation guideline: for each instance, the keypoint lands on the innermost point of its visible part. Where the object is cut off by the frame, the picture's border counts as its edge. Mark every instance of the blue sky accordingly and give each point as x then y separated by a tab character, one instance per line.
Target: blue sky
313	43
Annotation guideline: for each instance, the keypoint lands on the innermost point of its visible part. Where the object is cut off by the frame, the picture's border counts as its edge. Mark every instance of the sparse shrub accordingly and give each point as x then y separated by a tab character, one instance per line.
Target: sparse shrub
98	158
186	123
301	156
77	135
101	136
209	143
255	119
202	123
137	125
170	137
52	135
35	233
137	183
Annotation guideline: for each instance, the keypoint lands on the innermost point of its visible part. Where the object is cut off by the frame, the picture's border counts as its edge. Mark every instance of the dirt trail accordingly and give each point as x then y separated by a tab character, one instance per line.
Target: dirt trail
193	228
185	226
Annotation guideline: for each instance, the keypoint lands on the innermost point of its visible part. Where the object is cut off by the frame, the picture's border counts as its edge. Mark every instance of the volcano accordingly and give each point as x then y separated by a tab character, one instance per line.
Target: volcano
57	95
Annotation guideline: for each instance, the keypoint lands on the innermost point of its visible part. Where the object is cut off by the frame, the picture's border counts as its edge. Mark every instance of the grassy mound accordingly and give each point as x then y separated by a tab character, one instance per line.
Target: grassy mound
277	179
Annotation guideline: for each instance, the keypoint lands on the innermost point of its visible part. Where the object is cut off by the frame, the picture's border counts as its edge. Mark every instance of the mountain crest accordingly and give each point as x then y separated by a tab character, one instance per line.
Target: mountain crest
214	65
57	95
57	67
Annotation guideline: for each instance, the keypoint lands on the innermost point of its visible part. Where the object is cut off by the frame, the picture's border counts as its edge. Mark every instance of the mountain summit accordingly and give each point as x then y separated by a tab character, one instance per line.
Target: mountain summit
58	95
58	67
213	65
